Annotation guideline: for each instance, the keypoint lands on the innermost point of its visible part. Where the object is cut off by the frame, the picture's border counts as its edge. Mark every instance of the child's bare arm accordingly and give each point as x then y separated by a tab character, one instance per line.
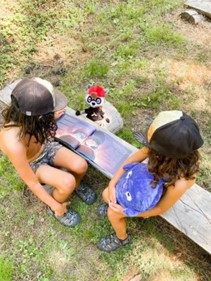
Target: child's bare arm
138	156
59	113
17	156
172	195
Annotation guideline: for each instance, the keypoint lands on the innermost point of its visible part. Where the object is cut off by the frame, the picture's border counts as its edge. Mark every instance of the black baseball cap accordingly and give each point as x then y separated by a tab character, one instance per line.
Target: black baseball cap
173	134
37	96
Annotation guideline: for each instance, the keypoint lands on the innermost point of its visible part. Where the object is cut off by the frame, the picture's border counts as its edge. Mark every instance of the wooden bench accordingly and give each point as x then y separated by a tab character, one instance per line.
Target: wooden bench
191	214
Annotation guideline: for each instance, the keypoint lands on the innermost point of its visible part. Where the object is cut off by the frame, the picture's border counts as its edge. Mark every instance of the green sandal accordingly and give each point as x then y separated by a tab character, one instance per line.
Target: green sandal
70	219
112	242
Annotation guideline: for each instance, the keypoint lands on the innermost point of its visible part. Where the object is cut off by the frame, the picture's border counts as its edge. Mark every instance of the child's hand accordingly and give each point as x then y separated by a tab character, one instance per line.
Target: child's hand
62	209
59	113
116	208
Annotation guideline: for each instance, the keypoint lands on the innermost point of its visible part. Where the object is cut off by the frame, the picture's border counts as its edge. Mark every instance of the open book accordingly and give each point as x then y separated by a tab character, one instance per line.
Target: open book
99	148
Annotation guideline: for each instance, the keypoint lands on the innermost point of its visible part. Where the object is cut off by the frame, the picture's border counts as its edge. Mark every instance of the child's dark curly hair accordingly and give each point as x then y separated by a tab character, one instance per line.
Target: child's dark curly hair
172	169
41	127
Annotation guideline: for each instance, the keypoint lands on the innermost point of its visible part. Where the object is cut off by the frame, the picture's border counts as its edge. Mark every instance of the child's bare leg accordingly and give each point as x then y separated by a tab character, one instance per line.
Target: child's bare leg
105	195
112	242
69	160
63	182
118	223
77	166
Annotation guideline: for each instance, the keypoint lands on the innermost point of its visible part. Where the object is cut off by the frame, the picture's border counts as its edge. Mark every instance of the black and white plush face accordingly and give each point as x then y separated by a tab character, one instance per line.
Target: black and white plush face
93	100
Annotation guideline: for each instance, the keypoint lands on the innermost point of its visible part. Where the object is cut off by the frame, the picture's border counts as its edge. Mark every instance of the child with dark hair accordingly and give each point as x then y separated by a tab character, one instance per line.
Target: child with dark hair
27	138
146	190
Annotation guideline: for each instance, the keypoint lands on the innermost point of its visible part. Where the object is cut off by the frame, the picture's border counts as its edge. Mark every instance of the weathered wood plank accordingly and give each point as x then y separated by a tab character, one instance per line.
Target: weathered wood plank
192	216
204	7
5	92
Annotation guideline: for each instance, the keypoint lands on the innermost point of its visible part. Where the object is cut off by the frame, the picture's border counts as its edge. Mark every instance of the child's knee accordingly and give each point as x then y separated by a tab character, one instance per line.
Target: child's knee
67	184
84	166
81	166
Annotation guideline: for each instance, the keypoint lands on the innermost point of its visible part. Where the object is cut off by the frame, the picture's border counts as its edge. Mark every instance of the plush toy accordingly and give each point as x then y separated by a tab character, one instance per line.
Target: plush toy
95	99
133	190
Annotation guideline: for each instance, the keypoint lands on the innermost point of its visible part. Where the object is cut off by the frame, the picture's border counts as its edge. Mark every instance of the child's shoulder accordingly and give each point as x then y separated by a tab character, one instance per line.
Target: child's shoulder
184	184
144	150
9	139
9	132
142	153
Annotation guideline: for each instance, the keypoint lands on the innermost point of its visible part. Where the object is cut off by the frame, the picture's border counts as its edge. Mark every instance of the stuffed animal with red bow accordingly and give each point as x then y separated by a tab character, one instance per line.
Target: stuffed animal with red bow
95	98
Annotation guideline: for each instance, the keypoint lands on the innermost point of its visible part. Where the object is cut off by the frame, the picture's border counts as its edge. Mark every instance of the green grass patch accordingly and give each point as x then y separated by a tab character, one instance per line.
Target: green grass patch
6	269
96	69
161	34
9	178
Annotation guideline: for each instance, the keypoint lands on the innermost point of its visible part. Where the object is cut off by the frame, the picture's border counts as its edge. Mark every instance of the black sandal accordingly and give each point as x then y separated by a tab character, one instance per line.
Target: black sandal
102	210
70	219
86	194
112	242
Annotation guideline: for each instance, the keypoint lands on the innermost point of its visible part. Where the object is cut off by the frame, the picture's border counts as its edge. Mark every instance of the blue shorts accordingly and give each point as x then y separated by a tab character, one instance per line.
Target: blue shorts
47	156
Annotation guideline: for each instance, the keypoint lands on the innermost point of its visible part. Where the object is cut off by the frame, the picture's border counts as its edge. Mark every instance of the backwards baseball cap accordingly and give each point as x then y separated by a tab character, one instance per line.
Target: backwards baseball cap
36	96
173	134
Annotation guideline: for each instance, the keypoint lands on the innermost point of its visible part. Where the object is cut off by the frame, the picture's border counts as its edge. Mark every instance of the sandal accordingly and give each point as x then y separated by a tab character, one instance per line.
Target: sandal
112	242
86	194
102	210
70	219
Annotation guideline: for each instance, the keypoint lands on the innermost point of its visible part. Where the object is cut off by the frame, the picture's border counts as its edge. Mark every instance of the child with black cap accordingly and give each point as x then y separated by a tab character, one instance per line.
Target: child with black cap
146	190
27	138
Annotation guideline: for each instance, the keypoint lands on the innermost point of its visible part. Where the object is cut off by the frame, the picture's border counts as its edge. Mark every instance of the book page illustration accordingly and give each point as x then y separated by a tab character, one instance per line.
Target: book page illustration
72	130
99	148
104	151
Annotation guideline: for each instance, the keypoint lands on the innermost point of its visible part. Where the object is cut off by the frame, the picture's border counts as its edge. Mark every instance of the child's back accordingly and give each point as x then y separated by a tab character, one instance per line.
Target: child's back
10	142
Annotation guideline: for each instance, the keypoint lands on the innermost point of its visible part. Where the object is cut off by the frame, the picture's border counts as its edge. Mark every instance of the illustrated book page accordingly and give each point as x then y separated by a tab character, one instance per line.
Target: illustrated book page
104	151
72	130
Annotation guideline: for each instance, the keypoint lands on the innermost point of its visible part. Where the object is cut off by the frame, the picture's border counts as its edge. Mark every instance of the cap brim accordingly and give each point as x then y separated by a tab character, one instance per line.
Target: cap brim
140	137
60	101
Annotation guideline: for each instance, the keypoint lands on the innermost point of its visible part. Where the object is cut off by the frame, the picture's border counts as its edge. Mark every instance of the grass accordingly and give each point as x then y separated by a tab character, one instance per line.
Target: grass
147	58
96	69
6	269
